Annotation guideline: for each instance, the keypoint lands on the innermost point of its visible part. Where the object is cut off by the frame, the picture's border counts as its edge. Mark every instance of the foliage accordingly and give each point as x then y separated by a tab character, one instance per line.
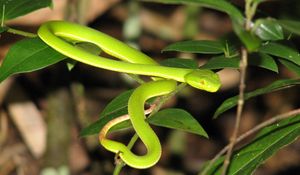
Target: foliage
11	9
269	48
264	145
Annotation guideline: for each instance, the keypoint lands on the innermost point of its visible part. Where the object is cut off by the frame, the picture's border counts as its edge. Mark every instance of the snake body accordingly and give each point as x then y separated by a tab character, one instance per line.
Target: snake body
61	36
145	133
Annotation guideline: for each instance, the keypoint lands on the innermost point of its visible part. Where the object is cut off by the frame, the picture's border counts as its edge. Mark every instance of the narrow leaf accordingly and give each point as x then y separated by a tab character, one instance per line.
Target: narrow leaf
260	60
267	142
95	127
268	29
203	46
251	41
281	51
15	8
3	29
172	118
92	48
220	5
28	55
291	26
177	119
291	66
117	107
89	47
264	61
275	86
221	62
180	63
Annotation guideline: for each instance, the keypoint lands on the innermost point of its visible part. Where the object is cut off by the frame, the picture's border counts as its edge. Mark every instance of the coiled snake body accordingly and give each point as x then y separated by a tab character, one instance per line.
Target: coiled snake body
59	35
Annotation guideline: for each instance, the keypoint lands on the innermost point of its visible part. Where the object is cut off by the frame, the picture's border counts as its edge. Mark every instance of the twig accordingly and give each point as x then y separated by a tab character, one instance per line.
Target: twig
20	32
250	132
243	69
3	14
81	8
119	162
3	128
250	9
166	98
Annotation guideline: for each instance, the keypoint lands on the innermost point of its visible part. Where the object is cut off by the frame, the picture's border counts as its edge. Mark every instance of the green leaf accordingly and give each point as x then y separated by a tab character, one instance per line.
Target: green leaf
180	63
177	119
221	62
90	47
3	29
10	9
220	5
264	61
268	29
291	66
291	26
267	142
28	55
70	63
260	60
281	51
275	86
203	46
231	50
170	118
117	107
251	41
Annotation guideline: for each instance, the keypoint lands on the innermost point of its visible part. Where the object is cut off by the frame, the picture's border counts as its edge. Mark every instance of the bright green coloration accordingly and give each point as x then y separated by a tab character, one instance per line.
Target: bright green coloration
144	65
57	33
142	128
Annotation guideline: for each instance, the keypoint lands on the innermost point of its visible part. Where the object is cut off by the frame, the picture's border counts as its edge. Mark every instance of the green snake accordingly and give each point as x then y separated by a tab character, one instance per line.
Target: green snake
61	36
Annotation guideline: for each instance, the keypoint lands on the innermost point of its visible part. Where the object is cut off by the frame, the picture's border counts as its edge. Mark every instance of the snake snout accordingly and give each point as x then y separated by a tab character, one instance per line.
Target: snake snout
204	79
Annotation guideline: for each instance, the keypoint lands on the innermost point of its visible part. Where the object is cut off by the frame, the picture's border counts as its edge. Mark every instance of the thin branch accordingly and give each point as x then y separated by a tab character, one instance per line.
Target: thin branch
118	161
243	69
3	14
20	32
3	128
166	98
250	132
250	9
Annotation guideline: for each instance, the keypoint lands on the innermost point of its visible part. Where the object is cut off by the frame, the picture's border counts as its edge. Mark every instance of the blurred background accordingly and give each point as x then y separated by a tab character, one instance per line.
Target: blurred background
42	112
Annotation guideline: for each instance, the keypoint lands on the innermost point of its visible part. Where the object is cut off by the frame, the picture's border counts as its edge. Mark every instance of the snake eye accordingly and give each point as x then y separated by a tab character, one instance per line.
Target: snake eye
203	83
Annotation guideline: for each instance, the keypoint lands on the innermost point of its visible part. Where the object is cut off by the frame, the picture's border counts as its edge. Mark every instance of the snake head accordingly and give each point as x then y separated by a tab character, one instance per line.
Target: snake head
203	79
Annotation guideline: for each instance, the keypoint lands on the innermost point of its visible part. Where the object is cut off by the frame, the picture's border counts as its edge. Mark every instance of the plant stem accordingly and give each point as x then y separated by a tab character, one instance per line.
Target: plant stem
241	100
3	14
118	169
166	98
250	9
136	78
250	132
120	164
20	32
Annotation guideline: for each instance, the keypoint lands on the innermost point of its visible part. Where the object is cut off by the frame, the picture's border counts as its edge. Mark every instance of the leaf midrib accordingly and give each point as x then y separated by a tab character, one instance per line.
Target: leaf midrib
271	145
24	60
